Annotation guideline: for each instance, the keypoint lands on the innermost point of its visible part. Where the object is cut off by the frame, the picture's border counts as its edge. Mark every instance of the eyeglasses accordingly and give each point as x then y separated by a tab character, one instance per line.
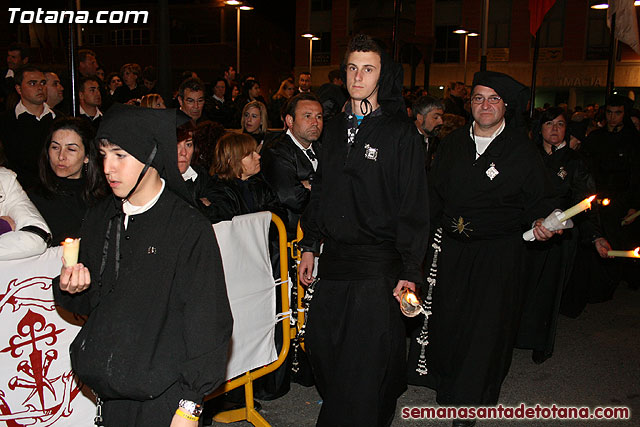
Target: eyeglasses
479	99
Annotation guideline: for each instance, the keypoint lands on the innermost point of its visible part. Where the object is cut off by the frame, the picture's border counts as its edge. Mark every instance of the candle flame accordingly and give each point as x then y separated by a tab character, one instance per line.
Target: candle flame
68	240
590	199
636	252
411	298
605	202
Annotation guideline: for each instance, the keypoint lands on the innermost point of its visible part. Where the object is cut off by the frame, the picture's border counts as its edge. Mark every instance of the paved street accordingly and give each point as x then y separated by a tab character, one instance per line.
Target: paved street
596	363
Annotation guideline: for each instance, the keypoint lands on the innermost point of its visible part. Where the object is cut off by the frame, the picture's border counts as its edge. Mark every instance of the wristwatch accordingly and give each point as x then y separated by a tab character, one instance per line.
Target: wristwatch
190	407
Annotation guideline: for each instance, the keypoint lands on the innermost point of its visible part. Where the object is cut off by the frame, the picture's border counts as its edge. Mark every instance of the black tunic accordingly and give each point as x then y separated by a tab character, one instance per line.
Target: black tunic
369	205
479	291
552	261
162	327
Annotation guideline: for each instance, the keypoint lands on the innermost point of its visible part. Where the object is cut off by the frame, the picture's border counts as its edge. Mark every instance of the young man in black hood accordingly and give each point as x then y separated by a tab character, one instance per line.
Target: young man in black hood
369	207
150	280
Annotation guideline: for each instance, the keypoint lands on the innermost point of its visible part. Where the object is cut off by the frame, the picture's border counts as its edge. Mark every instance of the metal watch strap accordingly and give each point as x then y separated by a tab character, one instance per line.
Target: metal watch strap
190	407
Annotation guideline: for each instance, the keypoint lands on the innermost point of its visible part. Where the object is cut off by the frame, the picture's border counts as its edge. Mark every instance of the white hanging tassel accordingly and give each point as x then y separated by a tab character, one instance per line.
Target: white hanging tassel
423	338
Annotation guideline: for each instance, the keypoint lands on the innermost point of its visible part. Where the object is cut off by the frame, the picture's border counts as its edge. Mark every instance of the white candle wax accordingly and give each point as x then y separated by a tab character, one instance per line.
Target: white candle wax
70	249
630	218
625	254
575	210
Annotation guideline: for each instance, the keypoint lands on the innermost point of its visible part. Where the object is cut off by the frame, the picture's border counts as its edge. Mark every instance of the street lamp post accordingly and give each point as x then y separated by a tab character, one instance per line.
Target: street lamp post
467	34
311	38
239	7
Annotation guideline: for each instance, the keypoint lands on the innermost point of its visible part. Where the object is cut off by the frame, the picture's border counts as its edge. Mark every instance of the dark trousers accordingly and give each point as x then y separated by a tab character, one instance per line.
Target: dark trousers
356	344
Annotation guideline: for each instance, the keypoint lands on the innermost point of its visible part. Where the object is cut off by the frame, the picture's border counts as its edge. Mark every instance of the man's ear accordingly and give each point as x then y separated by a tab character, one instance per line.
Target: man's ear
180	100
19	89
288	120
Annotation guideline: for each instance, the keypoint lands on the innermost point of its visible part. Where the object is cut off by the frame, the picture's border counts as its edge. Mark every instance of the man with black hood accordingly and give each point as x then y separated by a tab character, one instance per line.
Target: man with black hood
487	186
150	280
369	206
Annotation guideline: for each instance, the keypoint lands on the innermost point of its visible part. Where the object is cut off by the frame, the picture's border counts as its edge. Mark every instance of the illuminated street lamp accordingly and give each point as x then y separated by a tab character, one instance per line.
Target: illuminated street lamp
311	38
467	34
239	7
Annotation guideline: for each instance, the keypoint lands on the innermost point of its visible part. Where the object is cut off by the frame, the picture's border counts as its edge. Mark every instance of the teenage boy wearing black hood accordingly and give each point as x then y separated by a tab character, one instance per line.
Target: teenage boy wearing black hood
369	206
150	280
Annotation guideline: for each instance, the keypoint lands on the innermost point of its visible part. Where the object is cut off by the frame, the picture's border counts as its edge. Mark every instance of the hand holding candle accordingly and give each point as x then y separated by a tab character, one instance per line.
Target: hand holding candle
625	254
410	304
70	249
557	220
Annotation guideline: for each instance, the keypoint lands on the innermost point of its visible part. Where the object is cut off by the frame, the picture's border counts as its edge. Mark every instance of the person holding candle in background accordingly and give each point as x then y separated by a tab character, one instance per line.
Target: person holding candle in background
551	262
613	155
70	177
487	185
149	364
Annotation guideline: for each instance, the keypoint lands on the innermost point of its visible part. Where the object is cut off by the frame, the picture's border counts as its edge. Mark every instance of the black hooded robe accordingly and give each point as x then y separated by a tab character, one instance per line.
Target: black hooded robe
479	292
369	205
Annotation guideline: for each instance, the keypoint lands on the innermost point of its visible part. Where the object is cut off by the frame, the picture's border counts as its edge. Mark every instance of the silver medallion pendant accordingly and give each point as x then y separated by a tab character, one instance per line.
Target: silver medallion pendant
370	153
492	172
562	173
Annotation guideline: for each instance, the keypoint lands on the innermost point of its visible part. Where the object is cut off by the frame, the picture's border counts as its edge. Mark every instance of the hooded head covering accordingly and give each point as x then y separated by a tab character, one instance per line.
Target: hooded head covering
148	135
389	82
514	94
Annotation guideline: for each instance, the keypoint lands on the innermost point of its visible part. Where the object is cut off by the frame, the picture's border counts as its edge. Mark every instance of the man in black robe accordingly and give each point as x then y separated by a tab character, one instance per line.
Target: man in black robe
369	206
613	154
487	185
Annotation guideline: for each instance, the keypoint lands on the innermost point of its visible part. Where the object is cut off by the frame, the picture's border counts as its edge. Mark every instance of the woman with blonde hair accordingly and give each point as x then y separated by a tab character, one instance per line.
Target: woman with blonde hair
279	100
255	121
153	100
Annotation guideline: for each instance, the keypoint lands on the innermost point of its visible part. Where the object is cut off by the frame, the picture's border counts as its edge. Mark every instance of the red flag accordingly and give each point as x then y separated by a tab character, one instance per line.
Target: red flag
537	10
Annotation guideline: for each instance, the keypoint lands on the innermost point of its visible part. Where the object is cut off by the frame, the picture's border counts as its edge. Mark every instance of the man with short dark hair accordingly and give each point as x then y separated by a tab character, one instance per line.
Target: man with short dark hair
428	112
332	95
17	55
90	100
23	130
87	62
289	162
218	108
229	75
55	89
191	99
454	102
304	82
613	154
369	206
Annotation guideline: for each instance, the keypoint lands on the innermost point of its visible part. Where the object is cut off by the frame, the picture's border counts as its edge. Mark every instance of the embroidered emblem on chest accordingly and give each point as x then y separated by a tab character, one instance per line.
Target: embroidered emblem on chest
151	250
370	153
351	135
492	172
460	226
562	173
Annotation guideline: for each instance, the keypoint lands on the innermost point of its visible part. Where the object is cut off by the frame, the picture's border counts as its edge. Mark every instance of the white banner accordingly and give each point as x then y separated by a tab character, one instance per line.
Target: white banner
37	387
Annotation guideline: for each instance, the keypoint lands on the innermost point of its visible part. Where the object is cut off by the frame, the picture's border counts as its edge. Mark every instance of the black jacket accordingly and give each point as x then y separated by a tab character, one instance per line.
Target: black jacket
165	319
234	197
284	166
23	139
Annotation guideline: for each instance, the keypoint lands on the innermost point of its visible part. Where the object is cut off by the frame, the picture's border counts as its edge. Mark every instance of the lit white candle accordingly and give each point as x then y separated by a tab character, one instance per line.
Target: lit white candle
625	254
575	210
70	249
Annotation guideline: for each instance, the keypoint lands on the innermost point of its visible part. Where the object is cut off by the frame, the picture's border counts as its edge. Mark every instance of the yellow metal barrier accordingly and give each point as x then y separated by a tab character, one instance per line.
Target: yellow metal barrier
249	413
